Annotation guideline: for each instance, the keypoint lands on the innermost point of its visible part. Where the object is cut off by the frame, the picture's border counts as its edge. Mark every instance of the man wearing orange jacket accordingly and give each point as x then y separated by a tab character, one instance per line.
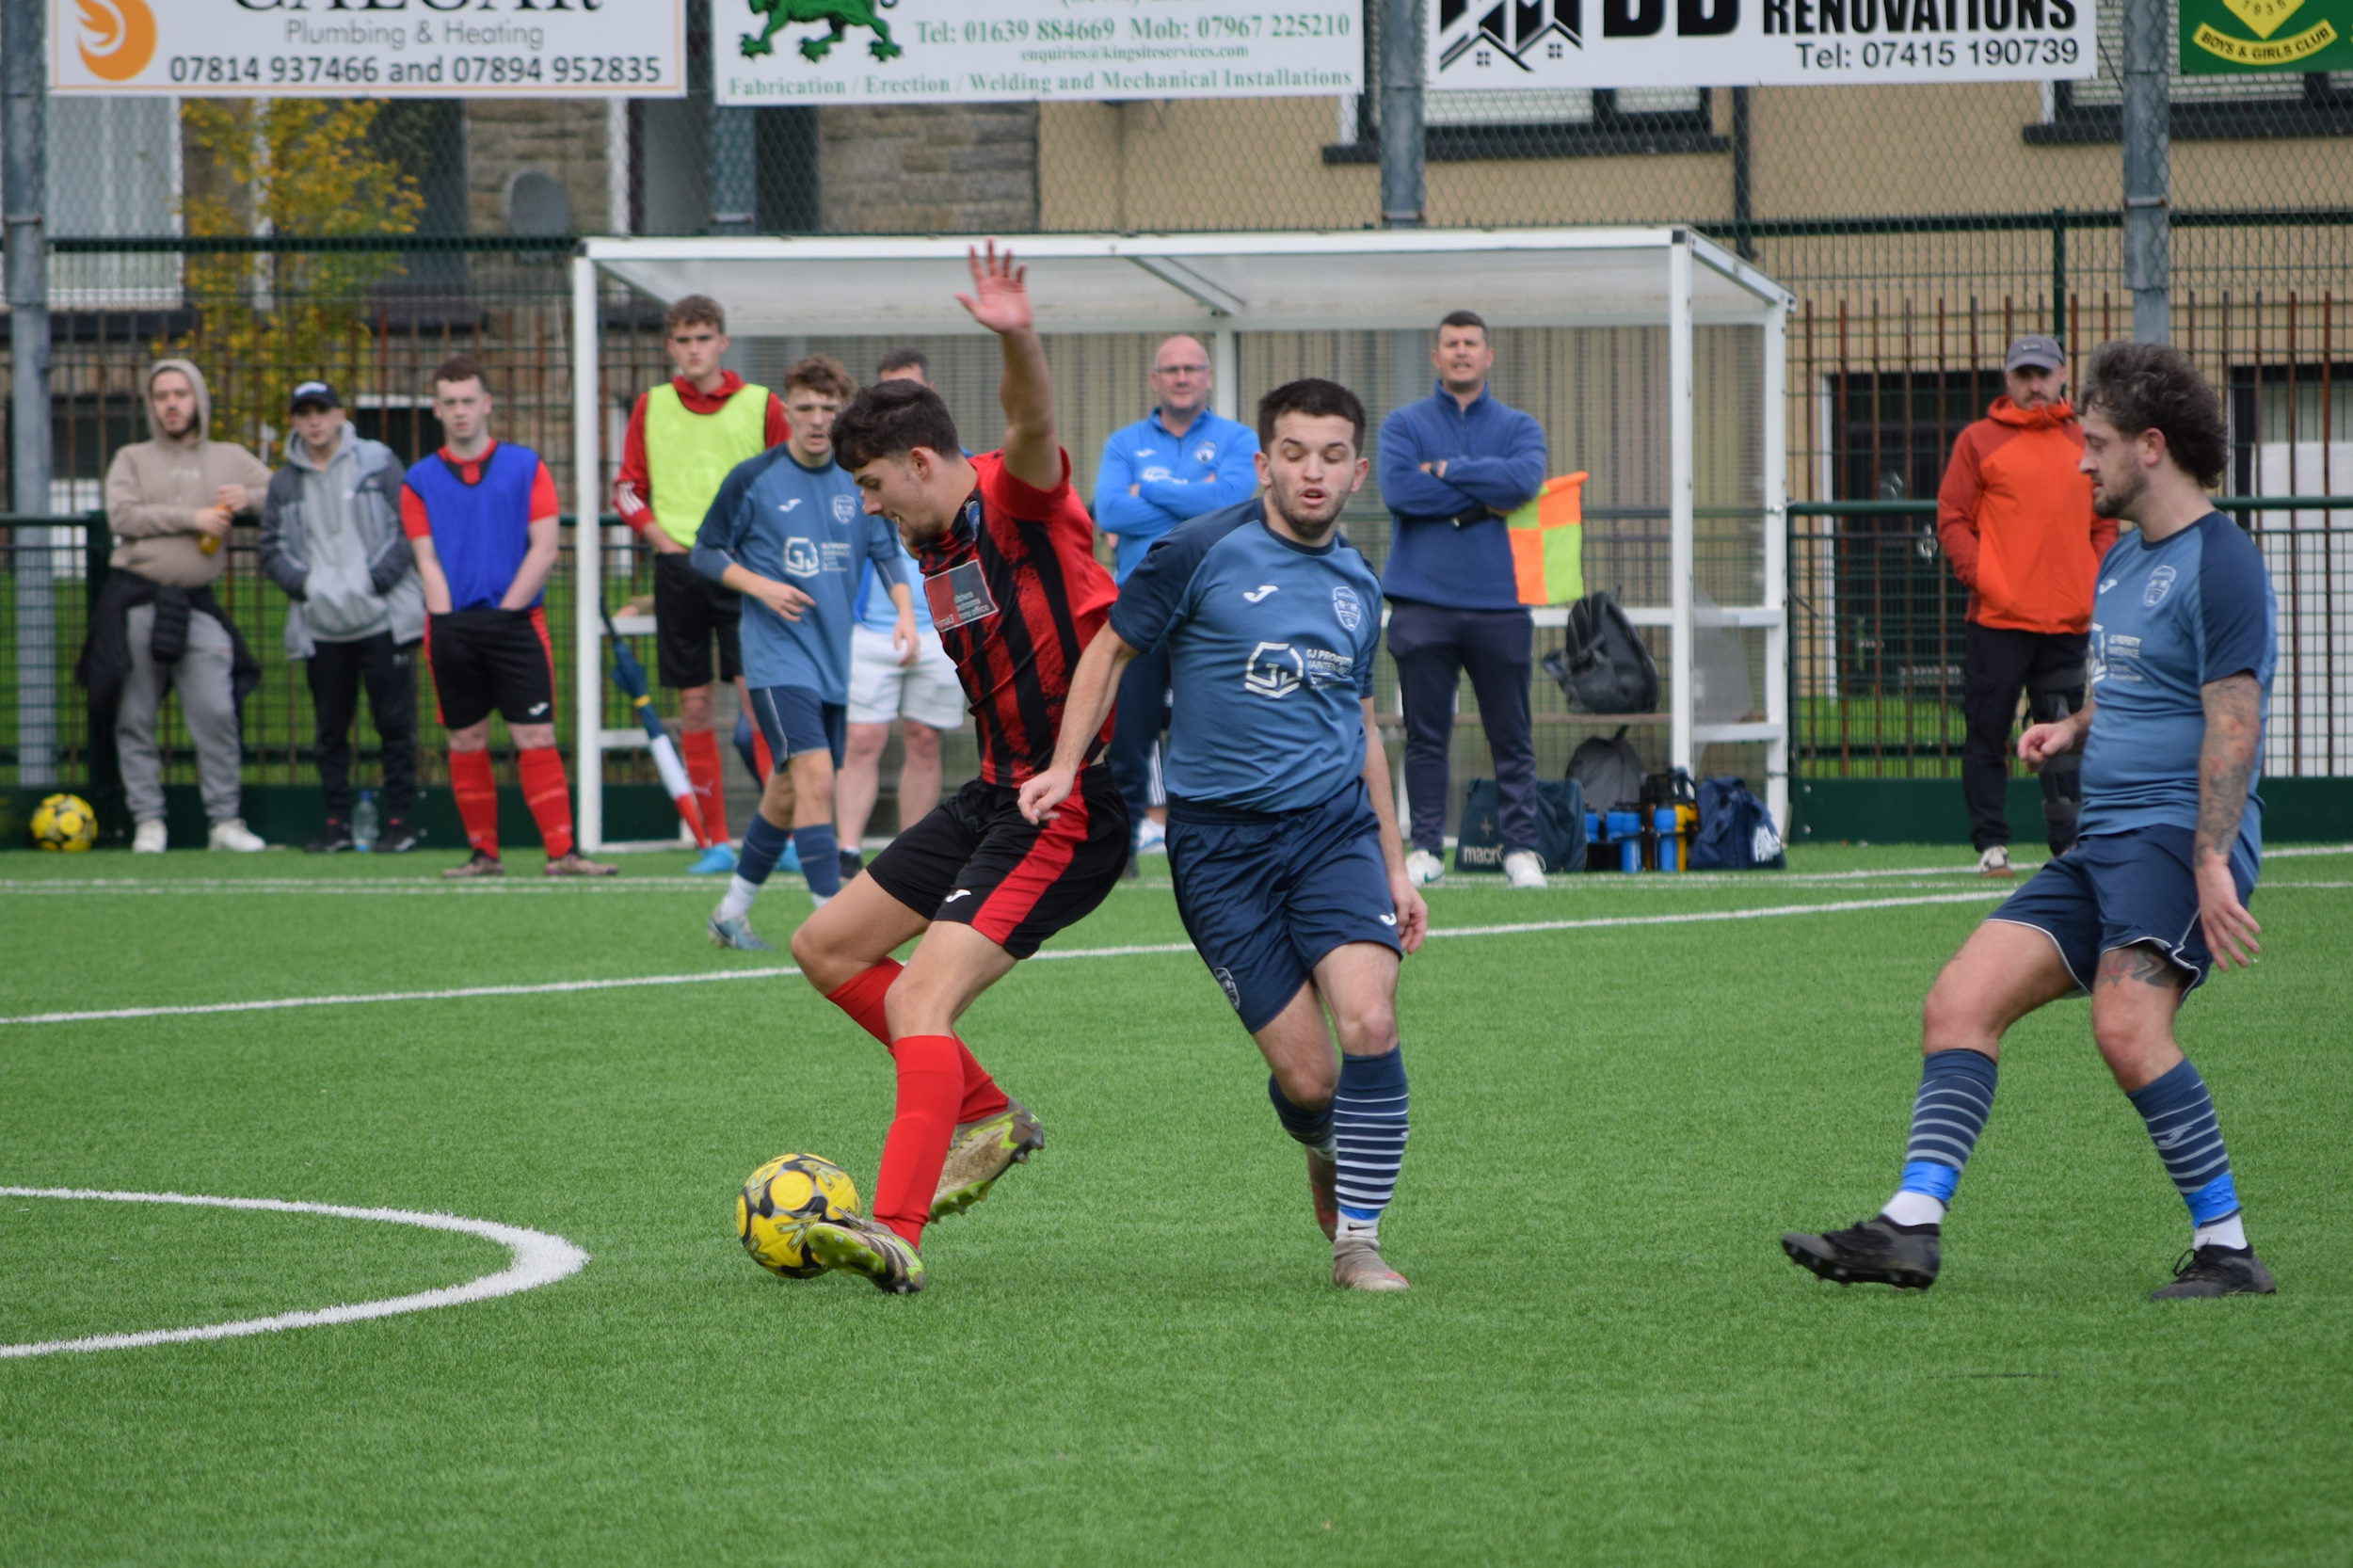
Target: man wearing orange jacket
2014	516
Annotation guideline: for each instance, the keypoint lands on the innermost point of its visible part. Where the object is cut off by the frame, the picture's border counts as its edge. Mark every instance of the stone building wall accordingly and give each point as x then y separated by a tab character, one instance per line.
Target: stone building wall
562	137
963	169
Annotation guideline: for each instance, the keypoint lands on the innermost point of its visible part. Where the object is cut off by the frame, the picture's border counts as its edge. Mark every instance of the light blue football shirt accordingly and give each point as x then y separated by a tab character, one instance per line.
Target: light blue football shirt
1270	648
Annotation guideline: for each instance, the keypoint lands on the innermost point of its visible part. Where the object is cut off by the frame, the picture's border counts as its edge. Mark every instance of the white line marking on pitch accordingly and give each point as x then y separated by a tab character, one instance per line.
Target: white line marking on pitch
560	987
539	1259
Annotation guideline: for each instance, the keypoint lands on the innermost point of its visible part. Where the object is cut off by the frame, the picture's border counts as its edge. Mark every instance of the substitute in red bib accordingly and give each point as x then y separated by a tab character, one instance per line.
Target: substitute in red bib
481	518
1006	556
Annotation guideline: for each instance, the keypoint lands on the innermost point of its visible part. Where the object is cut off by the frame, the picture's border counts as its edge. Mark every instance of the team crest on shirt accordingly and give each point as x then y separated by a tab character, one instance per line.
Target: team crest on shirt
845	508
2160	584
1346	605
1205	454
1274	671
801	558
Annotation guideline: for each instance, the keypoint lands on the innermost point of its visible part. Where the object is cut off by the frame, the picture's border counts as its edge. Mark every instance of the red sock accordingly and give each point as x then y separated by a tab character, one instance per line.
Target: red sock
762	755
930	1082
861	998
699	750
477	797
548	797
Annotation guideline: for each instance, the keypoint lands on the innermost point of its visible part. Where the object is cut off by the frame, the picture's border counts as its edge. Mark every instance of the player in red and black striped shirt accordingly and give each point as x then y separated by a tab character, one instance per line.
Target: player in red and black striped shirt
1007	557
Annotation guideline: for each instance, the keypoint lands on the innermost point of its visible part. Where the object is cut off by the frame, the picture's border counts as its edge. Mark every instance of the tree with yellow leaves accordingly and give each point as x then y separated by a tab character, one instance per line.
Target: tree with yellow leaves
293	166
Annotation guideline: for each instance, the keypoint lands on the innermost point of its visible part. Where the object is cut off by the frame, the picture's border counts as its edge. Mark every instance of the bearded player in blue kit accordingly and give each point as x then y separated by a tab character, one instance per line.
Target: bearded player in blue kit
1282	837
2184	637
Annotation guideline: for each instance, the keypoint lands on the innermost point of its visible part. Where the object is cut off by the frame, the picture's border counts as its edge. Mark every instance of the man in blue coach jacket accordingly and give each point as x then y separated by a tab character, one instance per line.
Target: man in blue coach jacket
1451	467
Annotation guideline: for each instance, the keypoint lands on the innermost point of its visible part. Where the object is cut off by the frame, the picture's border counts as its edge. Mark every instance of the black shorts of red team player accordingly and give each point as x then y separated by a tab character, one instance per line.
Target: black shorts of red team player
977	861
488	658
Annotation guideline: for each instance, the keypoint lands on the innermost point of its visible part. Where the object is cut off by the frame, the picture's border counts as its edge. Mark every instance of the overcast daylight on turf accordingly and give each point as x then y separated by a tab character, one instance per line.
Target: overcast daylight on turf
1626	1087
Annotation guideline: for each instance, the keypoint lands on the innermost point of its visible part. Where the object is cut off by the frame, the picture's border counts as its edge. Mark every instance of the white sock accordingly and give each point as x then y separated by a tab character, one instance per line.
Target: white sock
2228	1231
819	900
1357	1230
739	900
1913	1209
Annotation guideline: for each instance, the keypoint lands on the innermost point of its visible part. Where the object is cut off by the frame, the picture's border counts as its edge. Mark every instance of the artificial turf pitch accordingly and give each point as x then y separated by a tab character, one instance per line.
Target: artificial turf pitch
1131	1353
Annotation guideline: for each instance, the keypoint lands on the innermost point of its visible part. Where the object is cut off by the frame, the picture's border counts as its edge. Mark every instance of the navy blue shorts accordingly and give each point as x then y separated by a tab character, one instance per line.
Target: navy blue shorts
1265	897
2114	889
795	719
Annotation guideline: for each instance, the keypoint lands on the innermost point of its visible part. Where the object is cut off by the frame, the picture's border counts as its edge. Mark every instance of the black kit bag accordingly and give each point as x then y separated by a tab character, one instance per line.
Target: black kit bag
1737	832
1610	771
1560	826
1605	667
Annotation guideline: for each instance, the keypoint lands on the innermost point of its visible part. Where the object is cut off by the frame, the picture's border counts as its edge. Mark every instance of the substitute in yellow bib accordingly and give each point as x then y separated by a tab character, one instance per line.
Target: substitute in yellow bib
684	438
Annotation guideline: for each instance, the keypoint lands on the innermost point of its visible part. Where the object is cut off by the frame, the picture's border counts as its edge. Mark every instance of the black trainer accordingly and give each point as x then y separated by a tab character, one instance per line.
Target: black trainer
397	838
2213	1270
333	839
851	861
1876	1252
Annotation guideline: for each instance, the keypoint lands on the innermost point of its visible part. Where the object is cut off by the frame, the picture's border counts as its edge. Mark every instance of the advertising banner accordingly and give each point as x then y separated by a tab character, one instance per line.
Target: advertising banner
2231	38
1084	50
1492	44
370	48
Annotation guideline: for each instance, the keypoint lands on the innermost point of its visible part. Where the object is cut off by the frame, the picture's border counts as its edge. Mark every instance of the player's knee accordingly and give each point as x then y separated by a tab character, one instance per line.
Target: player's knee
1952	1015
1311	1085
694	708
1366	1028
922	741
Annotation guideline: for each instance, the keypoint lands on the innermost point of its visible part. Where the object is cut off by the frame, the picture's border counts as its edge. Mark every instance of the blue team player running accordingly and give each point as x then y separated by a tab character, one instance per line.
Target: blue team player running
1281	837
2156	890
788	532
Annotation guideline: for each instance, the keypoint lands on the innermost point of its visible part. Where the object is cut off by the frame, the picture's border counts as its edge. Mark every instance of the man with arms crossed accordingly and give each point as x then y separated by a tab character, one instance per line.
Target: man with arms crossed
2155	891
786	533
917	688
1006	553
1281	837
1178	462
481	518
684	437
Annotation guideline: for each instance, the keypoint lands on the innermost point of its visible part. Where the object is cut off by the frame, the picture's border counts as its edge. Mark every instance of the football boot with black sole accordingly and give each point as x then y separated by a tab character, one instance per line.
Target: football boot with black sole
1876	1252
2212	1271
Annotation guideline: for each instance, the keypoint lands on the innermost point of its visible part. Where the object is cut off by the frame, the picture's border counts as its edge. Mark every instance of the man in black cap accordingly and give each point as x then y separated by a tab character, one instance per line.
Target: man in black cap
2014	516
332	538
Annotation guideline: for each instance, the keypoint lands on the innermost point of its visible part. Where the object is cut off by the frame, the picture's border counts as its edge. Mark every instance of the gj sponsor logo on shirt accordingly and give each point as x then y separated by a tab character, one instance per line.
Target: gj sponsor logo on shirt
1275	670
801	558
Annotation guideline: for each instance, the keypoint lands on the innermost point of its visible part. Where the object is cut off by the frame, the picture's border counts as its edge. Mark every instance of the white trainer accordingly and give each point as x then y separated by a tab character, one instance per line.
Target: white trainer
1425	869
1523	868
1994	862
234	837
1151	838
149	838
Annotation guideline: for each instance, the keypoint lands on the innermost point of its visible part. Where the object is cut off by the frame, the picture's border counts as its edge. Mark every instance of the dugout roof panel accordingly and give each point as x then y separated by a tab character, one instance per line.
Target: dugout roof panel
849	286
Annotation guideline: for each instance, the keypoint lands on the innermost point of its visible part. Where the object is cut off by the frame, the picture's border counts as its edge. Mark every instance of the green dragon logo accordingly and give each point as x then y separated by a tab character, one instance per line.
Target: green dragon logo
839	15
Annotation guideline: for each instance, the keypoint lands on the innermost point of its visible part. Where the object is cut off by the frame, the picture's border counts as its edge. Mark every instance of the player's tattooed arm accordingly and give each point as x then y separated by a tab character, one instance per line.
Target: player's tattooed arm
999	302
2226	768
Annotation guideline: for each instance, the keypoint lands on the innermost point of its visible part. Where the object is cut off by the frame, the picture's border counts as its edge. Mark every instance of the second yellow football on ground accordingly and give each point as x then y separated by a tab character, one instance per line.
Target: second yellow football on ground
781	1200
64	822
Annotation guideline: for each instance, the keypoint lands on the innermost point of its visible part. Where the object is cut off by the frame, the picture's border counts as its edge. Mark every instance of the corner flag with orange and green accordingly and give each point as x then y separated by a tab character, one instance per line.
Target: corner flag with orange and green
1548	543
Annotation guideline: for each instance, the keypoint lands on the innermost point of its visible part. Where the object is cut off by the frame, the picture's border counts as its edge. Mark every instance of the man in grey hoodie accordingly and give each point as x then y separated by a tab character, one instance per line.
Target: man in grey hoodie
332	540
169	501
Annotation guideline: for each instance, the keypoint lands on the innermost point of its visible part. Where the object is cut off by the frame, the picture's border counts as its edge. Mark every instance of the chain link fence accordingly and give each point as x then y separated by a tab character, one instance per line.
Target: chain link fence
1920	227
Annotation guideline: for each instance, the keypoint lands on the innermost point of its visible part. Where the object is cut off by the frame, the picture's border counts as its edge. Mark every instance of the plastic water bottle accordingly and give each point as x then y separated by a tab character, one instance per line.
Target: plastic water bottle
363	822
1669	841
1625	831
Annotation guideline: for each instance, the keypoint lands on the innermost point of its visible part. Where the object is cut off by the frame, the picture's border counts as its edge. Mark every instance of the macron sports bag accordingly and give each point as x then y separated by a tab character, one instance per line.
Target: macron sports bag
1560	826
1736	833
1605	667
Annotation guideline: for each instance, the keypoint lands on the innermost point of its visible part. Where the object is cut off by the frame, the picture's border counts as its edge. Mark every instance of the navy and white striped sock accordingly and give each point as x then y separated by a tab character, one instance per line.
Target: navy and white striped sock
1369	1124
1956	1094
2181	1119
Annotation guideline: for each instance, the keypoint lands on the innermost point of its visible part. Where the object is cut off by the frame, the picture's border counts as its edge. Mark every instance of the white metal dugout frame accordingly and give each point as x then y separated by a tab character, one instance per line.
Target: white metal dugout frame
1217	286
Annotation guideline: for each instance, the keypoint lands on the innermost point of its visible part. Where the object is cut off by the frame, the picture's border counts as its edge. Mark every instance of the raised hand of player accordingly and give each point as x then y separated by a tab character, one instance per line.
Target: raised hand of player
2231	931
999	299
1413	915
1044	792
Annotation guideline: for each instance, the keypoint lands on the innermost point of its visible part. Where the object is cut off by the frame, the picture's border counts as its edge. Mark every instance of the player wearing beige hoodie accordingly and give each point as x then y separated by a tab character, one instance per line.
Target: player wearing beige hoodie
169	501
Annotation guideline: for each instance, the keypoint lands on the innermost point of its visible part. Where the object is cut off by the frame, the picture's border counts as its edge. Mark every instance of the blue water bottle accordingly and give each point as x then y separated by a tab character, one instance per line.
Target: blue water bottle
1664	821
364	823
1625	831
